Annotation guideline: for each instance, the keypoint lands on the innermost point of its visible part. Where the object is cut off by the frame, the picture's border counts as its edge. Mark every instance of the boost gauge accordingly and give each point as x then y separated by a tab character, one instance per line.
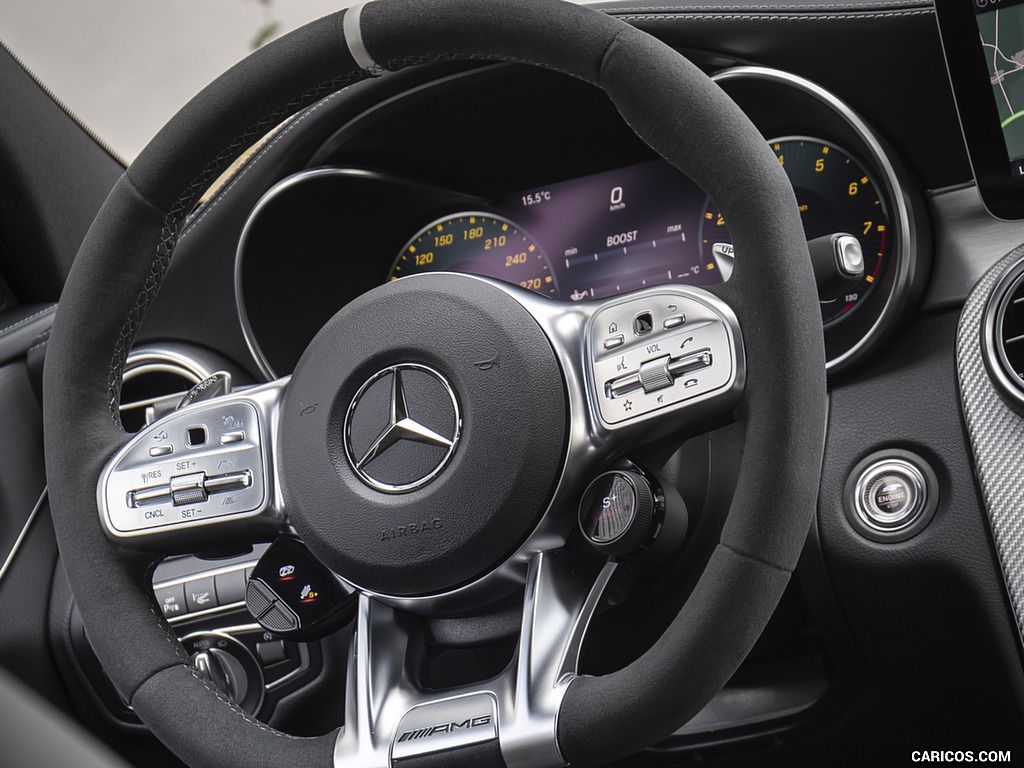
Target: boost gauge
478	244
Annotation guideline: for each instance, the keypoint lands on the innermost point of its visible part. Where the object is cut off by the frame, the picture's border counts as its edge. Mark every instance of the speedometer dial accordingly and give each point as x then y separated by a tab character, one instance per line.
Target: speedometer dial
478	244
835	194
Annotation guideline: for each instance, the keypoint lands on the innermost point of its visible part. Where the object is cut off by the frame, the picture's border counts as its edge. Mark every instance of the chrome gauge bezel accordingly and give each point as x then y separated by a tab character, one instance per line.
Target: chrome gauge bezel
852	338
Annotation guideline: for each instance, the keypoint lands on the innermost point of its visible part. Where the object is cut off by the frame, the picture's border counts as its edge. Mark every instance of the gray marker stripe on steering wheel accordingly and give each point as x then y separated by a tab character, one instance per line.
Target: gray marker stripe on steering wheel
354	40
677	111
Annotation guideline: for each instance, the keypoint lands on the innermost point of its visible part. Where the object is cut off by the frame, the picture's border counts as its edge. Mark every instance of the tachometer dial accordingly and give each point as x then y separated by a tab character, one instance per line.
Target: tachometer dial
835	194
478	244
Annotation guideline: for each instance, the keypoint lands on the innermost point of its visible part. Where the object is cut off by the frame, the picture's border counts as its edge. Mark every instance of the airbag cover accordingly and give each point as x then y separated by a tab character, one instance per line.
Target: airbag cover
417	516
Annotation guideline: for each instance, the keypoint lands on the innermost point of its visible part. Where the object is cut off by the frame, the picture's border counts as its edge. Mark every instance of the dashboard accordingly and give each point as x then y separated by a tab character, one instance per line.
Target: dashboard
532	178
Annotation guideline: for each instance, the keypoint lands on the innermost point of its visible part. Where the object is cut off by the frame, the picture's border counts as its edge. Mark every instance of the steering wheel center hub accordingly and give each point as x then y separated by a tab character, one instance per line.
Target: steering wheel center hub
398	465
392	446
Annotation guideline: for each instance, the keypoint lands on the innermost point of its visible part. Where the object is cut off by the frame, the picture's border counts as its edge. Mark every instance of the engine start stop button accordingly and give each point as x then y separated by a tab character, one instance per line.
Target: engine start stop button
891	496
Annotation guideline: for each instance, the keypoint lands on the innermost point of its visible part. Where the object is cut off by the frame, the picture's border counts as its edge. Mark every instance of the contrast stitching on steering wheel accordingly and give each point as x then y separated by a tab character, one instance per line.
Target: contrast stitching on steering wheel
238	710
759	17
254	160
754	558
178	213
169	635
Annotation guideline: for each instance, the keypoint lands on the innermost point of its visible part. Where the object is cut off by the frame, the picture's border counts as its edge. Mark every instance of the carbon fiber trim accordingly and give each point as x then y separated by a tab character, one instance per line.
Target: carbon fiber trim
997	437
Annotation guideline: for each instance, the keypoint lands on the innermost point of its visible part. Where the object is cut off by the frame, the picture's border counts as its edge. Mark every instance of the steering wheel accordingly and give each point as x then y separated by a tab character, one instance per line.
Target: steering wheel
522	385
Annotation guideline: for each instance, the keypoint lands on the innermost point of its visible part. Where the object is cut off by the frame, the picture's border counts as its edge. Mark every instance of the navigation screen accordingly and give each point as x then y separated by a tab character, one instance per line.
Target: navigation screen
984	45
1001	24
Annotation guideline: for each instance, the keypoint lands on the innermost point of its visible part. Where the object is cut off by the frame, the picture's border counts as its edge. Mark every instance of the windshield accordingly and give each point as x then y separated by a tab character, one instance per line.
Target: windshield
124	67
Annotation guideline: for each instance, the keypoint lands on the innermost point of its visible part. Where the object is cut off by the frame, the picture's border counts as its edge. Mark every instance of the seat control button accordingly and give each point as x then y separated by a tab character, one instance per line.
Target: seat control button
201	594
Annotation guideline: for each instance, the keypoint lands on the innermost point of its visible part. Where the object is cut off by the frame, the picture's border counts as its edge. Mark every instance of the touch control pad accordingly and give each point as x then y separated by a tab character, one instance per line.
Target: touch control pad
687	351
210	464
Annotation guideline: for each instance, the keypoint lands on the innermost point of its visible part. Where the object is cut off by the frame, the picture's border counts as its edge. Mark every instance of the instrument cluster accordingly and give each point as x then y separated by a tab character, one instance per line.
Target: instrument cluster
574	236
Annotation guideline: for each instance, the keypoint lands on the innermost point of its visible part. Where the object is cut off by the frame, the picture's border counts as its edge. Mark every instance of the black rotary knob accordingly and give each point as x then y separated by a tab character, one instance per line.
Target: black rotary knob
617	511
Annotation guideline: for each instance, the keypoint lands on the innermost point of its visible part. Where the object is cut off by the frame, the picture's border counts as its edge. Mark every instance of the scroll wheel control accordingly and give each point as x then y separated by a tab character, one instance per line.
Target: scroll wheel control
659	373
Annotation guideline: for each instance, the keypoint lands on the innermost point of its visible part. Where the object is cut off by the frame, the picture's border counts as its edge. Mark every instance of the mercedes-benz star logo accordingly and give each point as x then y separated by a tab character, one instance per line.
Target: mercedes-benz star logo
406	453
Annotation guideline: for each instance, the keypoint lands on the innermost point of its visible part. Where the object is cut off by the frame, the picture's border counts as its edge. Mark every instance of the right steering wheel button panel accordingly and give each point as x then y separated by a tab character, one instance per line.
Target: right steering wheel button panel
685	353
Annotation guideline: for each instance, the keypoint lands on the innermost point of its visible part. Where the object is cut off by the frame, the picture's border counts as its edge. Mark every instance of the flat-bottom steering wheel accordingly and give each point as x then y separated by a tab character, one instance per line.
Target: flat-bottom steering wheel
521	389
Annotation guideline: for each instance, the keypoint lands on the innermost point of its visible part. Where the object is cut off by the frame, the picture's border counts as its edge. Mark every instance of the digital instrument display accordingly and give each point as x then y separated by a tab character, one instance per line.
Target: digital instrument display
984	45
644	225
586	238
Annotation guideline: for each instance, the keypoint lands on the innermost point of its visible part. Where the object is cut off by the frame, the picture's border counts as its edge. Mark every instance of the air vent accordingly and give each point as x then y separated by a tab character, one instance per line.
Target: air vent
1003	340
155	380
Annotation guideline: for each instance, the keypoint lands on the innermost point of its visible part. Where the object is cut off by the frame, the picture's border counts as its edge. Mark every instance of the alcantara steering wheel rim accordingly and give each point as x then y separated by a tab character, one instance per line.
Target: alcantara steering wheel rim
674	108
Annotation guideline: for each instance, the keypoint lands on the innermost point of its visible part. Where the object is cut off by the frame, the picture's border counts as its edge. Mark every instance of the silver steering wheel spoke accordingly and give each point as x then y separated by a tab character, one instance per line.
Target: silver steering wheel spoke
201	475
391	715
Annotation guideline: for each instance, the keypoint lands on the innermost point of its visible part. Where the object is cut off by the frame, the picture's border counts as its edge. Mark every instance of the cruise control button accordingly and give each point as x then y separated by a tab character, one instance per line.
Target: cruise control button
231	481
188	489
171	600
156	494
201	594
232	437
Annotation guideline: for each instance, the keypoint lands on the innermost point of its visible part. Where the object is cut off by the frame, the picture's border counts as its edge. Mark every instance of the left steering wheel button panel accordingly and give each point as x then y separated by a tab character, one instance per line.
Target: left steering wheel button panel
140	493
